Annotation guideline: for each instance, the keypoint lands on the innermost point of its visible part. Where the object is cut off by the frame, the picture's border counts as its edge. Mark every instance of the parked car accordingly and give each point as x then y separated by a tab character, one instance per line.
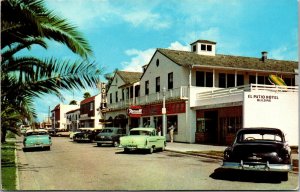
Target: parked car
86	134
259	149
72	133
109	135
143	138
37	138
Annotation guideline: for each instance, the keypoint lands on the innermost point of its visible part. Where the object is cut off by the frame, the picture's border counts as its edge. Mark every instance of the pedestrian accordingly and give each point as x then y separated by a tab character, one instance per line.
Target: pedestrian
159	130
171	132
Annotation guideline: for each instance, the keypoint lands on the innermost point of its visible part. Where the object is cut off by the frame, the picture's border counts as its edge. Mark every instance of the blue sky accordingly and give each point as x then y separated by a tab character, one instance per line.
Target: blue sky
125	33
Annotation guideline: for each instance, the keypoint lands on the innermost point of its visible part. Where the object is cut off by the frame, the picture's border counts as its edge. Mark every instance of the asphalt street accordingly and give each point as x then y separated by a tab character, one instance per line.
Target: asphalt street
84	166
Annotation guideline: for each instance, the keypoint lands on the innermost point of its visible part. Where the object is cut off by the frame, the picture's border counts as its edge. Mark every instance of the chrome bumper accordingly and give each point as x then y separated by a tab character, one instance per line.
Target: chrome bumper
257	166
37	146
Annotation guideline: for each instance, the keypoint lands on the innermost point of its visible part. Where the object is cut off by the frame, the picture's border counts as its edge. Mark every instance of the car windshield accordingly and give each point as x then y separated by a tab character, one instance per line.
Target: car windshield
37	133
107	131
139	132
246	137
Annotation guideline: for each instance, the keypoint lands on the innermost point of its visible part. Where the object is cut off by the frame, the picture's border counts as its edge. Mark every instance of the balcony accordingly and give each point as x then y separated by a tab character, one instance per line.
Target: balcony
234	94
172	94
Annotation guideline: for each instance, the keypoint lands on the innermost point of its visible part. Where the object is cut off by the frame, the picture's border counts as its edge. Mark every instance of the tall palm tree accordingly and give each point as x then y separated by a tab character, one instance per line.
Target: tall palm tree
25	23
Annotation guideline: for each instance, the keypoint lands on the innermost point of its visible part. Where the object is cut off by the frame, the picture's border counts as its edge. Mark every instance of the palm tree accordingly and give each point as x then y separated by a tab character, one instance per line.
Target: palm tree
73	102
25	23
86	95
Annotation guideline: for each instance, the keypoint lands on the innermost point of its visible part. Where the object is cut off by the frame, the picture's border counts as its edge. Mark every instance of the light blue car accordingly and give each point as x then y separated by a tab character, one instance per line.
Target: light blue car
37	138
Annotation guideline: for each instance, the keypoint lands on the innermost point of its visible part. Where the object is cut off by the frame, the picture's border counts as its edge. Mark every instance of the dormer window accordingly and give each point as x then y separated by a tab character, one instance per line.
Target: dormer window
203	47
208	48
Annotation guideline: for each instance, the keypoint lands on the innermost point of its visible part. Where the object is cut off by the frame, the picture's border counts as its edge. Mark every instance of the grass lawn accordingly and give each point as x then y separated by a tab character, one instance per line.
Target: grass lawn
8	166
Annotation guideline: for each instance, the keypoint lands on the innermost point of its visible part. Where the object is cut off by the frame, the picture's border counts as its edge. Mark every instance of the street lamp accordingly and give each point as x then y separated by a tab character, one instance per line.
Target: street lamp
163	112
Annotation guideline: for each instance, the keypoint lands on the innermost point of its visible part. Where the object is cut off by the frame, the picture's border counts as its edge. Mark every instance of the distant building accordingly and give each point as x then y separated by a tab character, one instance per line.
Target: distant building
209	96
59	120
73	119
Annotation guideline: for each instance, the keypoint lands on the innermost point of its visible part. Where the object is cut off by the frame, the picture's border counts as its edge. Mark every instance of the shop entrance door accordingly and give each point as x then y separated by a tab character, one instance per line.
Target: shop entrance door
211	125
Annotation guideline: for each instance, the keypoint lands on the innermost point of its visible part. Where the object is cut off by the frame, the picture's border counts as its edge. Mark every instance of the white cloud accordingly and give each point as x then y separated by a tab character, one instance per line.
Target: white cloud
140	58
145	18
284	53
178	46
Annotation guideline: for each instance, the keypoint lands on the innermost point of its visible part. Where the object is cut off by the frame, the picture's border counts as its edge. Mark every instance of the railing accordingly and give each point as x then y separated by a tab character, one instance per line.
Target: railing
240	89
177	93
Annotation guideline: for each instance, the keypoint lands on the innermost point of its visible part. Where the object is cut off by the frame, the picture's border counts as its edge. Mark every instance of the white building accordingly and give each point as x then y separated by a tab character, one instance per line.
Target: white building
90	113
73	119
210	96
59	120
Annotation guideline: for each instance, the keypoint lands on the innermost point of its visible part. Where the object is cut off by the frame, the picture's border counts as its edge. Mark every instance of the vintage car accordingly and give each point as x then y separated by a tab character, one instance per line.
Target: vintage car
86	134
109	135
37	138
72	133
259	149
143	138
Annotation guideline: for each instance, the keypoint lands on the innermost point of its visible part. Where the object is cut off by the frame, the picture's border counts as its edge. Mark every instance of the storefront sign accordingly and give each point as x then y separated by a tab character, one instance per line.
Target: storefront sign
135	111
263	98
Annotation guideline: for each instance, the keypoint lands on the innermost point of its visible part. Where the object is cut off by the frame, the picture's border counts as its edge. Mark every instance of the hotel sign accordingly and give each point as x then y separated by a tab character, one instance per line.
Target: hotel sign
263	97
135	111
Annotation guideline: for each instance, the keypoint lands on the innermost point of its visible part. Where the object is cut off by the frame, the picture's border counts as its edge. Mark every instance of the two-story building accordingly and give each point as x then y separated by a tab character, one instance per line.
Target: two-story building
210	96
58	118
73	119
90	113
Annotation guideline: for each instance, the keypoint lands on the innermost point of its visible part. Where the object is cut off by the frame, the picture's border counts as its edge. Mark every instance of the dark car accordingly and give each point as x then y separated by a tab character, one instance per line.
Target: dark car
109	135
259	149
86	134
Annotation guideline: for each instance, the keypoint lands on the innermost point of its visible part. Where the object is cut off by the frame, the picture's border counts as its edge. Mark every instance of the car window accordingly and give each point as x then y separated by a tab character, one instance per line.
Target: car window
260	137
37	133
139	132
107	131
119	131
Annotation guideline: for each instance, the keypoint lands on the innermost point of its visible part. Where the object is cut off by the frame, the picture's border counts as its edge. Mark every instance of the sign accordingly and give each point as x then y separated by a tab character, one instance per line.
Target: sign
263	97
135	111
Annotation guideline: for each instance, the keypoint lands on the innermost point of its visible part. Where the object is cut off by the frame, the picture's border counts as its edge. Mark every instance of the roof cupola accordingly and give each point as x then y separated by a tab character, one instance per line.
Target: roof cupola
204	47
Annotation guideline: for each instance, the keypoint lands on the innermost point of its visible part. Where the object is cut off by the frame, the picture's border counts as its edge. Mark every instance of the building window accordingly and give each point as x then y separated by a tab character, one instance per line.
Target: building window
146	87
222	80
157	62
170	80
200	79
137	91
209	48
131	91
123	94
204	79
252	79
203	47
91	106
110	98
157	84
230	80
209	79
240	80
116	96
194	48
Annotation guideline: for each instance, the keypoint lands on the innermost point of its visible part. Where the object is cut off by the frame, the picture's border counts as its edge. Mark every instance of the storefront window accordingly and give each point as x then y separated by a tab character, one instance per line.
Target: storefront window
200	125
146	121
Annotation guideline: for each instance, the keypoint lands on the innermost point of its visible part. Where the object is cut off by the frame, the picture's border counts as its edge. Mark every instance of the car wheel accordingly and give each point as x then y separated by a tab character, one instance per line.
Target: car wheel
25	150
99	144
115	143
150	151
126	150
47	148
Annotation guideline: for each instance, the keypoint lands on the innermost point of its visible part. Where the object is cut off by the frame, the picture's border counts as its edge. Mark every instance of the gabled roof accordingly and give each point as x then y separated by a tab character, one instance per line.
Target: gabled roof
186	58
204	41
72	111
87	100
130	77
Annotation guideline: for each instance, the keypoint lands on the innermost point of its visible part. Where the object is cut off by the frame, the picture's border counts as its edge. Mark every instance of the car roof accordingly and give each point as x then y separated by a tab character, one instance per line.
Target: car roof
142	129
259	129
89	128
36	130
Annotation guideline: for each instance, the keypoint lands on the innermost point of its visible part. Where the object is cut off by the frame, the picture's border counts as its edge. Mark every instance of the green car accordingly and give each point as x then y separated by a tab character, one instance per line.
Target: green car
37	138
144	139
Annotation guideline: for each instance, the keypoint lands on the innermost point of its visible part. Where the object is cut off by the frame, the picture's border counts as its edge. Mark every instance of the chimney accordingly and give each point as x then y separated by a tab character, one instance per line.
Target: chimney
264	56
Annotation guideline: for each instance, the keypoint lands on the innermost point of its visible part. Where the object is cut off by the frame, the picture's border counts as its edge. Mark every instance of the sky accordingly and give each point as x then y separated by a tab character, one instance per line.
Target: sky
124	34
